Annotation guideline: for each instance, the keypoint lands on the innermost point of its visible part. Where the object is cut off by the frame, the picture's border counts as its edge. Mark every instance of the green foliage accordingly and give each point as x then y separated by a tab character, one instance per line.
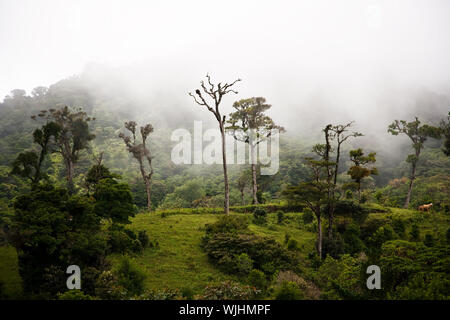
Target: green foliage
429	240
307	216
257	279
415	232
227	224
113	201
280	217
259	216
74	295
244	264
292	245
187	293
289	291
130	277
229	290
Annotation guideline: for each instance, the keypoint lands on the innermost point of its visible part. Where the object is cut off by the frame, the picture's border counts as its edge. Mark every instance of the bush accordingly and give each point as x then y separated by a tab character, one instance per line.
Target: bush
257	279
429	240
244	264
267	254
229	290
288	291
259	216
159	294
308	216
399	227
107	287
187	293
280	217
130	277
292	244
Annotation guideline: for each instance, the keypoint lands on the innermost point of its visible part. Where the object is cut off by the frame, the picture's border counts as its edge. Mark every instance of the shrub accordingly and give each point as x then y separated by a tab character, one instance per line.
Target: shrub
288	291
130	277
160	294
429	240
257	279
399	227
187	293
107	287
267	254
292	244
280	217
259	216
243	263
229	290
73	295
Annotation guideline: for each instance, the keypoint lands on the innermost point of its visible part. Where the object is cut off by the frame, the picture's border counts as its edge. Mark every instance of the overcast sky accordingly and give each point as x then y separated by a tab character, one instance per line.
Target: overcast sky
350	48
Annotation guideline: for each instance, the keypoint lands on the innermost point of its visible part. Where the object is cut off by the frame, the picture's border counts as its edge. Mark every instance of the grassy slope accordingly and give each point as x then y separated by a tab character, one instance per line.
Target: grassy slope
179	261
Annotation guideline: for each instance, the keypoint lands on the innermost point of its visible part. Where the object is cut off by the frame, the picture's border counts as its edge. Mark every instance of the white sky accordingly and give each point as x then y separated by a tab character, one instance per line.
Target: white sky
313	43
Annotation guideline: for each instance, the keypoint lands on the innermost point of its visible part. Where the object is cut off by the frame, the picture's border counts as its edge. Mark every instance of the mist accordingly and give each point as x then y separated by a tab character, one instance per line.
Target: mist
316	62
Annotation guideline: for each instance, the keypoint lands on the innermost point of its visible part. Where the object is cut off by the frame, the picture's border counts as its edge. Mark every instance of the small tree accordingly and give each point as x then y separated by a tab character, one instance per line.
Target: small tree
141	153
249	124
28	164
216	94
313	193
74	136
358	171
418	135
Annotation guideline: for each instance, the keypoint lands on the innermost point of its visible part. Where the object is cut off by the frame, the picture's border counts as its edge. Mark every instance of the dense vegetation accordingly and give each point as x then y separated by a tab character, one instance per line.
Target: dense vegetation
86	185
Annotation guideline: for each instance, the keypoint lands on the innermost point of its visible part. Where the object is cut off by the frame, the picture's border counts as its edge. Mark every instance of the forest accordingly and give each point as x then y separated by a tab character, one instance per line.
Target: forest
85	183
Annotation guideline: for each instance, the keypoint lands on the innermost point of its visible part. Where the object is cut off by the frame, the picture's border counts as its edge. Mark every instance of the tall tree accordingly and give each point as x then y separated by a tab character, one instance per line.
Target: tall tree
313	194
359	170
141	153
28	164
251	125
73	138
340	134
216	94
418	135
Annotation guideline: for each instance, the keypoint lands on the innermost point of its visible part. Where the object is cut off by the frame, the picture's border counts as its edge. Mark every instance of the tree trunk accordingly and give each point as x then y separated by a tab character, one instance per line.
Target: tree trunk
70	173
148	189
254	182
242	197
359	192
412	178
319	234
225	173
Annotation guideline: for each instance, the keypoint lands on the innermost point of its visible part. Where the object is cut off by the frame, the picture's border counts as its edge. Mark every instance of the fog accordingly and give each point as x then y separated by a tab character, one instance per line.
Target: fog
315	61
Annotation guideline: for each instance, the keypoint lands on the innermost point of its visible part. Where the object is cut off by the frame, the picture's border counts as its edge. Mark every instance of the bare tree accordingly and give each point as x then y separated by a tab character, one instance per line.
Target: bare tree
216	93
141	153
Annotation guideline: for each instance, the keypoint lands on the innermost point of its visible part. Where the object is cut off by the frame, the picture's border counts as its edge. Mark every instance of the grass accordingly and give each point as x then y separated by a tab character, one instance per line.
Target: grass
9	273
179	262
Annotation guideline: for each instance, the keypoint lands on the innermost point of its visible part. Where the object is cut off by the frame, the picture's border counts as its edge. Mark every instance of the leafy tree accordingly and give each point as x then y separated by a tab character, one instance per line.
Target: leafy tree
28	164
216	93
113	200
313	194
359	171
52	230
74	136
418	135
251	125
141	153
339	133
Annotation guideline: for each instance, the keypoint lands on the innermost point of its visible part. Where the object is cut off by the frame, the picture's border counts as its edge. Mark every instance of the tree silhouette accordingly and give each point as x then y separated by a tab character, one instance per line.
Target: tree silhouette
216	94
141	153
